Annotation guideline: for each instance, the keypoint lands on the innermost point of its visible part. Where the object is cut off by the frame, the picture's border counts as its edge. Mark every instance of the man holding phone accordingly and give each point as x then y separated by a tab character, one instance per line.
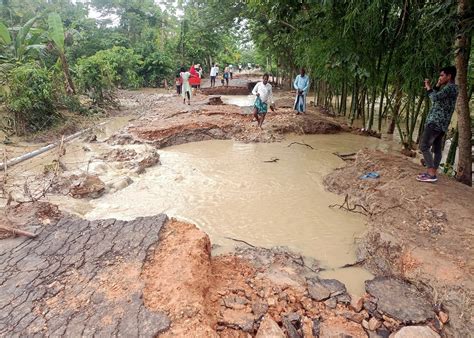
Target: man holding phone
443	98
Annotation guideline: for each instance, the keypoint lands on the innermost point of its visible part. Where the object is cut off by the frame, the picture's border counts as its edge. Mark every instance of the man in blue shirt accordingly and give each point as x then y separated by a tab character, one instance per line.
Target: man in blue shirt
443	98
301	86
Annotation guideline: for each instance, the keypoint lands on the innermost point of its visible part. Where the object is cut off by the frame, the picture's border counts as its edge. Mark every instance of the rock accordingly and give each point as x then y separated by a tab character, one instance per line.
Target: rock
355	317
259	309
318	292
331	303
344	298
89	186
334	286
268	328
374	324
120	184
316	327
383	332
443	317
399	300
307	327
235	302
291	330
415	331
370	306
365	324
318	289
357	303
235	319
340	327
149	161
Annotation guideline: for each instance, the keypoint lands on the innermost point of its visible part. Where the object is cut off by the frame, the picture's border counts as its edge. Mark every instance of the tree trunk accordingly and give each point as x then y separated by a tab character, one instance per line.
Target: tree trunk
70	88
463	44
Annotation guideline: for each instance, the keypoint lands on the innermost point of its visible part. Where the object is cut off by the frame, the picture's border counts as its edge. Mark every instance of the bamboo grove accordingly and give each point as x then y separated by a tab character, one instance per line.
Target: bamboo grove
368	59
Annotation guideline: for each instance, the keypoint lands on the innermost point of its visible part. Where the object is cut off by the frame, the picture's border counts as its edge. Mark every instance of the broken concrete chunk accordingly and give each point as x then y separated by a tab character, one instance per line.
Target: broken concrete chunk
399	300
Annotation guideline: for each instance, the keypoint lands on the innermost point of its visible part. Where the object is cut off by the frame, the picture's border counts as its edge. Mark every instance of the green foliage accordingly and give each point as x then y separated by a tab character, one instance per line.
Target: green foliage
31	98
95	77
155	68
124	64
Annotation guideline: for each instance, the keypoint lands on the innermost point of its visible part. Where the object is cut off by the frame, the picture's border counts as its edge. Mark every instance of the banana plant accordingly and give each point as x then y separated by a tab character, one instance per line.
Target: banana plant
56	37
17	45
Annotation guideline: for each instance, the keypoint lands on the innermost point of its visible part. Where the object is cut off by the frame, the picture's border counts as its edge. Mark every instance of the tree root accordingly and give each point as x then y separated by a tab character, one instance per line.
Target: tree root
18	231
347	207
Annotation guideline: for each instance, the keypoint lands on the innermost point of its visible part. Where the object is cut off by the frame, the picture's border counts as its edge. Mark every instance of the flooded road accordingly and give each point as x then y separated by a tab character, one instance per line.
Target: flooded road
228	190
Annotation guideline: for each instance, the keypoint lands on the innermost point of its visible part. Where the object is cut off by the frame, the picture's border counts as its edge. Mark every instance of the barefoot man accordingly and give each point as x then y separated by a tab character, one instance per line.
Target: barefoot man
301	86
443	98
263	91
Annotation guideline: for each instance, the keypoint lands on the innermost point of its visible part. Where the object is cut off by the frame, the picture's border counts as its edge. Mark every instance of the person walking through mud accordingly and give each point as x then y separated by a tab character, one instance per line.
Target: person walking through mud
213	74
185	88
301	86
226	76
263	91
443	98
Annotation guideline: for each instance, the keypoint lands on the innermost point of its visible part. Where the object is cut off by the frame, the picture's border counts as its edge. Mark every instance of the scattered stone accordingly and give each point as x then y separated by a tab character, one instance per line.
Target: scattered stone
316	327
383	332
399	300
415	331
374	324
365	324
334	286
370	306
331	303
235	302
344	299
355	317
268	328
340	327
215	100
291	330
357	303
235	319
259	309
318	292
443	317
149	161
89	186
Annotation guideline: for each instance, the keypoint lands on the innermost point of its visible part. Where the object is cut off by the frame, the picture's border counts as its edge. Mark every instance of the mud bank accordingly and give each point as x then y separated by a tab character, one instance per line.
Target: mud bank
171	122
418	232
154	276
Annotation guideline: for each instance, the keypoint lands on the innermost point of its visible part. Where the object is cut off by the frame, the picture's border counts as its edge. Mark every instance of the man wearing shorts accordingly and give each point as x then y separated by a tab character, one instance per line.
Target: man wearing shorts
263	91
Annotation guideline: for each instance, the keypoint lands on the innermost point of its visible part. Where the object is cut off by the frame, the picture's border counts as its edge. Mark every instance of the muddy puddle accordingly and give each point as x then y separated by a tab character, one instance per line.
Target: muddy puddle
229	191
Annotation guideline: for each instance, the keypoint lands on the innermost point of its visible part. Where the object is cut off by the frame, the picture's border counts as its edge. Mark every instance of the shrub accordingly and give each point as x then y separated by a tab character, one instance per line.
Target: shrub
95	78
157	67
31	98
98	74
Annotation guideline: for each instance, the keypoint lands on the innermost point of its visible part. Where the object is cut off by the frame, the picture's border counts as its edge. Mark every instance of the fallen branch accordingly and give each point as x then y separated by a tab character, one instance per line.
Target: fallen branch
350	265
18	232
273	160
302	144
242	241
345	157
347	207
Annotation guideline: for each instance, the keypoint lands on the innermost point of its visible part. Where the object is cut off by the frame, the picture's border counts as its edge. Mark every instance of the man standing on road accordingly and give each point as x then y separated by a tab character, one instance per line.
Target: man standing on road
443	98
263	91
301	86
213	75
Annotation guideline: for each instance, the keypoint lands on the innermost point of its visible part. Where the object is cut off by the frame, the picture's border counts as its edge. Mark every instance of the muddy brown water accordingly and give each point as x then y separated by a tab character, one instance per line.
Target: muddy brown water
228	190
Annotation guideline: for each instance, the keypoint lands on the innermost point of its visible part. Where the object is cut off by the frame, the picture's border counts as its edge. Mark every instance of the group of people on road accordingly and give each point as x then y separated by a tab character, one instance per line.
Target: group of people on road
227	75
264	96
183	80
443	98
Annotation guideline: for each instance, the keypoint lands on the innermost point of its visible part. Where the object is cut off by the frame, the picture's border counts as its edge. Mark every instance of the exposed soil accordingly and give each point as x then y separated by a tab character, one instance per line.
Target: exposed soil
419	232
